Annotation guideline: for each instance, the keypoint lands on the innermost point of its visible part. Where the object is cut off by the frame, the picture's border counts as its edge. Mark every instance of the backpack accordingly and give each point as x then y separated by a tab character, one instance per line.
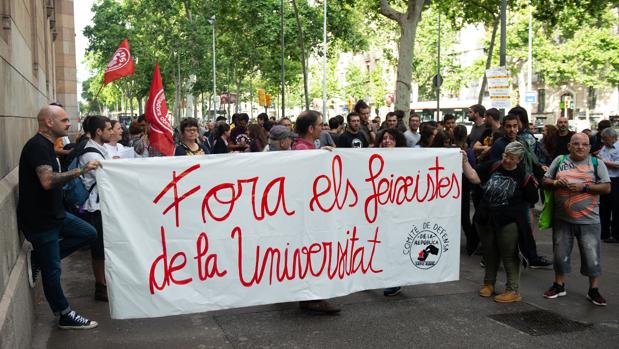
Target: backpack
75	192
530	161
546	216
594	161
524	181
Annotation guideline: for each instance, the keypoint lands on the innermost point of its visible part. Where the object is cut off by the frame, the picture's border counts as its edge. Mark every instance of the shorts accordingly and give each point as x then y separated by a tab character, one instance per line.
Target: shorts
588	236
96	247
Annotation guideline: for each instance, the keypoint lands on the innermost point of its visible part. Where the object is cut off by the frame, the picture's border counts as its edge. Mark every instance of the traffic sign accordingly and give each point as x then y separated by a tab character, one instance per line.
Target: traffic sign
530	97
437	80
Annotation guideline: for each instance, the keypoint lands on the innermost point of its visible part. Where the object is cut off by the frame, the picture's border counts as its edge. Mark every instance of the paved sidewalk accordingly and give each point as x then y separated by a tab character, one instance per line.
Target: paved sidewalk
439	315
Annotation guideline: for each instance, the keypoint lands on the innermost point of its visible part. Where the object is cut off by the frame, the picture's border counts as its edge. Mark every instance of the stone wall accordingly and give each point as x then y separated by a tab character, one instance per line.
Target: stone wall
37	66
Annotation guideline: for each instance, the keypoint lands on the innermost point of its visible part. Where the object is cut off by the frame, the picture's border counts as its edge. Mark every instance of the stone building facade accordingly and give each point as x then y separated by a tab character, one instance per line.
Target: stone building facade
37	66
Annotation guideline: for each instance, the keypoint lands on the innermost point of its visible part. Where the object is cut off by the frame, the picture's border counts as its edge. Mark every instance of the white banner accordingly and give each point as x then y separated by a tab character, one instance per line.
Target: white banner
193	234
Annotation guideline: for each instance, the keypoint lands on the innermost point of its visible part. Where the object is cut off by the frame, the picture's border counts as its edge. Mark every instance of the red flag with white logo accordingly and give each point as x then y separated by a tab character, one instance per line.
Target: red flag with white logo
160	134
120	65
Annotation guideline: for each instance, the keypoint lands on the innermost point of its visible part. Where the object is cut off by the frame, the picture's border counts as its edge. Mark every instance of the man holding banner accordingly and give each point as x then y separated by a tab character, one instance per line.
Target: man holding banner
308	127
100	131
53	232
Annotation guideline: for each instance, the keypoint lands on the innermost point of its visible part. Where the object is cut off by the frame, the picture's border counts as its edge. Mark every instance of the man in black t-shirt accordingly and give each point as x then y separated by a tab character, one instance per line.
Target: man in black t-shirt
353	137
564	135
239	137
476	115
53	232
484	142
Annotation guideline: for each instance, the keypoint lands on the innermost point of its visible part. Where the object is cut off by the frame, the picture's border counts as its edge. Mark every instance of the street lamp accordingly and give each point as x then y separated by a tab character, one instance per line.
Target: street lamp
324	65
212	21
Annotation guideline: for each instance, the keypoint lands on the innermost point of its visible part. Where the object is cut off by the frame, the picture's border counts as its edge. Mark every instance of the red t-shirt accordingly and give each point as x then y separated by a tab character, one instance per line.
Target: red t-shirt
302	144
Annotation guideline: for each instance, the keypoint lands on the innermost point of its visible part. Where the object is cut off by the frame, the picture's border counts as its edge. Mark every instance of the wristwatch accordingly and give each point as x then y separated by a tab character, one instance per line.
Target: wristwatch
585	188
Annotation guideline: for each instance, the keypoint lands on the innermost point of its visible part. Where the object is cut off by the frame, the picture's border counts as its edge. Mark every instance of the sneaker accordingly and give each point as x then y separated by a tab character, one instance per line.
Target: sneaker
595	297
555	291
320	307
392	291
540	263
74	321
508	297
486	291
33	269
101	292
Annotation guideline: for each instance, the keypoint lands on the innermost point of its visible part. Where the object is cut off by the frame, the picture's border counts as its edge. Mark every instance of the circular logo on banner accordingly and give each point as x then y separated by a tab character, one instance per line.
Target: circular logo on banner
160	111
120	60
426	244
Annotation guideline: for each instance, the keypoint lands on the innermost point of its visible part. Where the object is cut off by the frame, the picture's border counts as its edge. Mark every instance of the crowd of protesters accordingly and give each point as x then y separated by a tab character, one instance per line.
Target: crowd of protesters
505	169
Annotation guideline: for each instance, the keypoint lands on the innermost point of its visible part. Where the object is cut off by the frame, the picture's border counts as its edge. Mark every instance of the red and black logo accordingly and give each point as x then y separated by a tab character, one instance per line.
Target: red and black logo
425	246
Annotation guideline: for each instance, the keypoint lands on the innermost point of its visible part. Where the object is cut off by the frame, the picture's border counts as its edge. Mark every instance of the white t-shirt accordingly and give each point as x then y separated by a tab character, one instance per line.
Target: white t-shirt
89	179
119	151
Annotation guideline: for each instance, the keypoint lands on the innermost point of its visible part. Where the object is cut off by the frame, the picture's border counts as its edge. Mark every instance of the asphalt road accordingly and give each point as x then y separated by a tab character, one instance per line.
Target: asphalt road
440	315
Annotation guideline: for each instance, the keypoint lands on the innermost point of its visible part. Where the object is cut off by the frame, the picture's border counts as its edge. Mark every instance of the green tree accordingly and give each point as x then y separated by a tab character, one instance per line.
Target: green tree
356	82
564	54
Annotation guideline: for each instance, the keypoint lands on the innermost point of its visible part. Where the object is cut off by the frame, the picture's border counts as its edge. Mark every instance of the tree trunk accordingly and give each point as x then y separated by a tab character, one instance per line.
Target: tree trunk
484	82
202	104
238	93
302	47
406	46
140	108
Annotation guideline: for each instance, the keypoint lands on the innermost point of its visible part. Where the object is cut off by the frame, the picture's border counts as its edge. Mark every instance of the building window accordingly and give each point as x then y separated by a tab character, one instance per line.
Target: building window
5	18
591	98
541	100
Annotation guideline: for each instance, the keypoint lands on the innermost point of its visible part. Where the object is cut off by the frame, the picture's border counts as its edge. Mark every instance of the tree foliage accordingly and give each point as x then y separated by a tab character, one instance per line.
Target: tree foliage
574	41
178	35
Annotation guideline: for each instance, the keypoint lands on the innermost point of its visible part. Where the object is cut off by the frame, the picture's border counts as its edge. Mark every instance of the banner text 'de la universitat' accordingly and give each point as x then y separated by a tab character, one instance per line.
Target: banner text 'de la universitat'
193	234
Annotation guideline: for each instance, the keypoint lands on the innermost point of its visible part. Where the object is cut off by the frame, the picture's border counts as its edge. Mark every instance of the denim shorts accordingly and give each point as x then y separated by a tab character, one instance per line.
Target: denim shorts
588	236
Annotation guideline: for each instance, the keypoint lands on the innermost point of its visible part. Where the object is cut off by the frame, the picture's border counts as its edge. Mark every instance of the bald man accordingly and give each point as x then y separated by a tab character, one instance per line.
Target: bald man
53	232
564	135
577	180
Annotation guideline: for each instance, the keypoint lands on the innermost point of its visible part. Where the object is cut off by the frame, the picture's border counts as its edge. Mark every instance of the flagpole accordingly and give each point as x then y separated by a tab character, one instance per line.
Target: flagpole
283	74
324	66
212	21
97	96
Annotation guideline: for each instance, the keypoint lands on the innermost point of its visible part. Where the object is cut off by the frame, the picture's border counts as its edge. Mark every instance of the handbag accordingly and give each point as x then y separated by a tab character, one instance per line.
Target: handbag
545	218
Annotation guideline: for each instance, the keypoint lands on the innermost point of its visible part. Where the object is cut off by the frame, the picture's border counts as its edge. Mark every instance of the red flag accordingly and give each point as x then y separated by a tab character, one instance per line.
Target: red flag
120	65
160	134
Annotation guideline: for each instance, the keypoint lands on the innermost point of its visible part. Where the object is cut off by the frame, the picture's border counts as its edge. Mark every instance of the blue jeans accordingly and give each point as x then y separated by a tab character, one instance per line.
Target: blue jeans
50	247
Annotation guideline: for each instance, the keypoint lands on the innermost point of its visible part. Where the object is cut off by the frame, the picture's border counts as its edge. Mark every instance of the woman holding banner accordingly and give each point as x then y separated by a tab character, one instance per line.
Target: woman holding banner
390	138
507	191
